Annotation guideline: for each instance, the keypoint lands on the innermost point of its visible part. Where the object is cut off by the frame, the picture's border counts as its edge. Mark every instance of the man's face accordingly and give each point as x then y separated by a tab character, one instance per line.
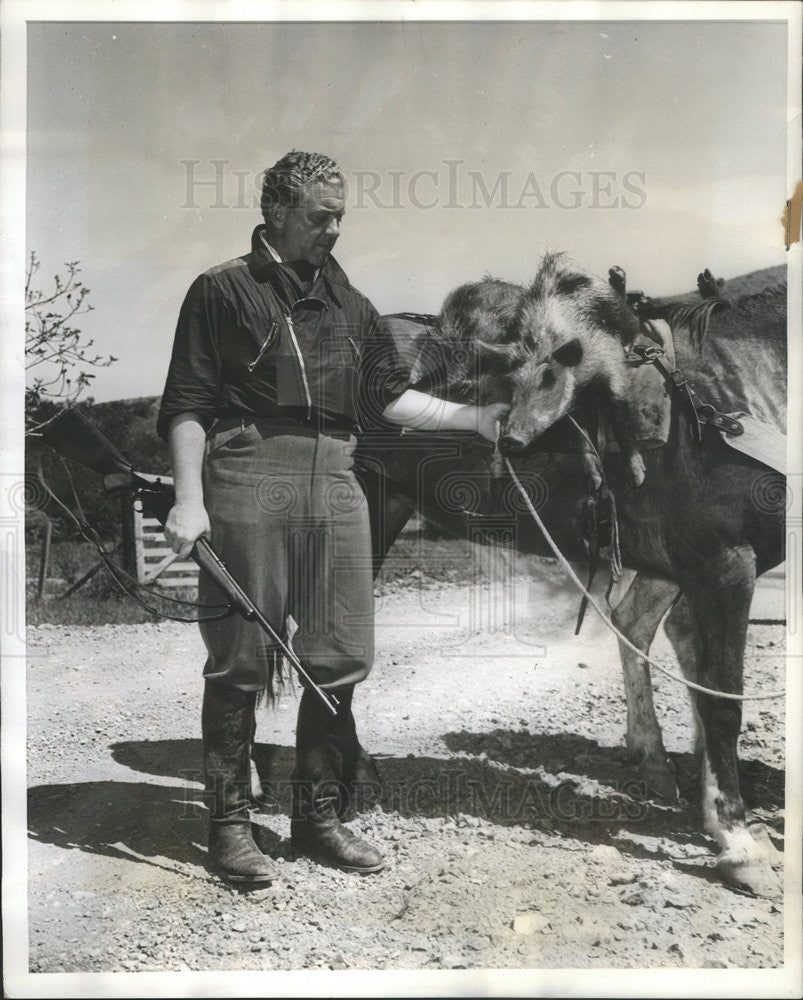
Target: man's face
309	230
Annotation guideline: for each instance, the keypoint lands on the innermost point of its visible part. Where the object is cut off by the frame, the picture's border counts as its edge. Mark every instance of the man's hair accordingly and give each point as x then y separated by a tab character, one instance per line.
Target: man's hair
283	182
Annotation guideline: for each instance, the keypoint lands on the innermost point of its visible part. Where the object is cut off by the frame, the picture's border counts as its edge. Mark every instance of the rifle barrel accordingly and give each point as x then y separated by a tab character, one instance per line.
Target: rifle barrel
209	560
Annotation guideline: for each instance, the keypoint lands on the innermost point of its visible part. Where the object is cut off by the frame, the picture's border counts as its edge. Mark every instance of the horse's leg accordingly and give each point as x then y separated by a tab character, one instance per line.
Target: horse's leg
388	510
638	616
719	593
679	629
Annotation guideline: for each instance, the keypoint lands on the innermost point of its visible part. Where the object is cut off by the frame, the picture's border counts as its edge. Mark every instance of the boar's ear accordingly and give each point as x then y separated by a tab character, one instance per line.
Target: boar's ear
569	354
506	314
506	354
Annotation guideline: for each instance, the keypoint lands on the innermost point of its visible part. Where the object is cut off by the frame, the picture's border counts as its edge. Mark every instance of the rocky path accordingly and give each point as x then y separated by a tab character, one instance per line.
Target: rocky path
514	826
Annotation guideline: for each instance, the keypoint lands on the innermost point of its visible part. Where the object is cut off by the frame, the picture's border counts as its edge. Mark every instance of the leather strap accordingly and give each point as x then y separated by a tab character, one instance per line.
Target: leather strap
699	412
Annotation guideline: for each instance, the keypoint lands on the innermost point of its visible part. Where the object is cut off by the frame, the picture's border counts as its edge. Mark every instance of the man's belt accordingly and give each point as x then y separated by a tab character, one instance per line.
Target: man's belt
299	416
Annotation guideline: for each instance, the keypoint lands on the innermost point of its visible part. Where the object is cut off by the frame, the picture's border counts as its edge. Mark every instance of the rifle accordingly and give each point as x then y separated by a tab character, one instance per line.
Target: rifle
74	437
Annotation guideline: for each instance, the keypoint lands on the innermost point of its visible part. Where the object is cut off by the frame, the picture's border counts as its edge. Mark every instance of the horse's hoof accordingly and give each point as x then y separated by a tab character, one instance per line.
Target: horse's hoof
661	781
756	877
758	831
657	773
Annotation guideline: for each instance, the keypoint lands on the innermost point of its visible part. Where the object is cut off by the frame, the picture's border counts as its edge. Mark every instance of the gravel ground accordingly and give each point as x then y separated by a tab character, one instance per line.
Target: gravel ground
516	836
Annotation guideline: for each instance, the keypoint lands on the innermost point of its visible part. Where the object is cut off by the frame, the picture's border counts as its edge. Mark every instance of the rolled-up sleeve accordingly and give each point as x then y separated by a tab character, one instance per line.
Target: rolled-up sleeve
384	372
194	376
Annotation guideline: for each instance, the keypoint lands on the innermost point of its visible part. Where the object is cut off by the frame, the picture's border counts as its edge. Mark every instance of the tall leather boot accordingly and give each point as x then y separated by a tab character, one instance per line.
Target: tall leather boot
360	780
315	827
227	725
256	791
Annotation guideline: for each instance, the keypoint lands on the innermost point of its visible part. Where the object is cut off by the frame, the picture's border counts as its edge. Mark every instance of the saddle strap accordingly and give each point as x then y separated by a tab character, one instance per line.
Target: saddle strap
699	413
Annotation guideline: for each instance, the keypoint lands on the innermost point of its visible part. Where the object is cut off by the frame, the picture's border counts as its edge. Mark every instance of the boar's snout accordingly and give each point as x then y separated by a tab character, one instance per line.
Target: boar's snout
512	444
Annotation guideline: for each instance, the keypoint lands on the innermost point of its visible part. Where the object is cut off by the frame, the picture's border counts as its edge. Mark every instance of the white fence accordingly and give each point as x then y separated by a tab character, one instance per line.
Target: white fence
156	561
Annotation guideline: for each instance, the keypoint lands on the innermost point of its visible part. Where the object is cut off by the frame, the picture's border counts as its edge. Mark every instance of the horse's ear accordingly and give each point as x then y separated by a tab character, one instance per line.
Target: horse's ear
569	354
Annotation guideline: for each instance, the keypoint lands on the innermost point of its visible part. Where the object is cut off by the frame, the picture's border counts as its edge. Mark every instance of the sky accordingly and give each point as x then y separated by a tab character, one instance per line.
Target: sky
469	148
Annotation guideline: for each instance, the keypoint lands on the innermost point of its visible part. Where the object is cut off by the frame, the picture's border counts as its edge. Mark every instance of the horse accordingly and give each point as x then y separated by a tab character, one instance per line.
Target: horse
704	525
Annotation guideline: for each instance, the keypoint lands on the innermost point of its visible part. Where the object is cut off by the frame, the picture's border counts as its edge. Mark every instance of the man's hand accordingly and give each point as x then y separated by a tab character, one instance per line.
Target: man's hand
185	524
488	418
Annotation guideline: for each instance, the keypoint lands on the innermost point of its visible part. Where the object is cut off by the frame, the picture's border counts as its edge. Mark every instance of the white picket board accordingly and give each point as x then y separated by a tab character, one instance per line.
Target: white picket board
156	561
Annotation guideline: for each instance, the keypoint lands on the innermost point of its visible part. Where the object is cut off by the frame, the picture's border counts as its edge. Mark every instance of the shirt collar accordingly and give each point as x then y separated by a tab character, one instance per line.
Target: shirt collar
275	255
264	254
269	248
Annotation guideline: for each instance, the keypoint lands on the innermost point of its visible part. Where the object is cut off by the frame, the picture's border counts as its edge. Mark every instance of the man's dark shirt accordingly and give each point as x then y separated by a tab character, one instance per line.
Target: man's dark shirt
255	339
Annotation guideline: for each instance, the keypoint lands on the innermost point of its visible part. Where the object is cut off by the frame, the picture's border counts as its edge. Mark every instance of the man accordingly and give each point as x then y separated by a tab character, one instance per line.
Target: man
276	356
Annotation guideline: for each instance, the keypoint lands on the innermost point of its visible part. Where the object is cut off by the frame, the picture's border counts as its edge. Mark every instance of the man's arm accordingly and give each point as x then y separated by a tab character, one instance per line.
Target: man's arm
188	519
423	412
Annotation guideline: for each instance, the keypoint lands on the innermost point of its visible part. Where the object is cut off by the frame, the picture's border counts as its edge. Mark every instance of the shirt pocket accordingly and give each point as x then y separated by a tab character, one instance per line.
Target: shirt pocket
355	351
269	341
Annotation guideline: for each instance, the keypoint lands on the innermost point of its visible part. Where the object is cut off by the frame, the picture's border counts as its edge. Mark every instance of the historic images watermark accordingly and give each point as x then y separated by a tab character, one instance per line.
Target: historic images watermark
450	184
525	800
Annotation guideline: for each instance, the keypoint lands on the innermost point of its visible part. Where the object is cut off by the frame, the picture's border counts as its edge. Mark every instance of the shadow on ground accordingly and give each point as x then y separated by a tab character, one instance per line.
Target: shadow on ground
580	790
761	784
135	821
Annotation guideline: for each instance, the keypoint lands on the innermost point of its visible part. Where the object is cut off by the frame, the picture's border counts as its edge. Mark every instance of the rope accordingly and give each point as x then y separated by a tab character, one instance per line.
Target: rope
584	433
616	550
607	621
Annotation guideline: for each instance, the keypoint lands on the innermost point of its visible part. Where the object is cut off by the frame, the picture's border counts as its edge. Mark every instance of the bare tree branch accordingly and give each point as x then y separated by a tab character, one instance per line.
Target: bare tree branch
51	341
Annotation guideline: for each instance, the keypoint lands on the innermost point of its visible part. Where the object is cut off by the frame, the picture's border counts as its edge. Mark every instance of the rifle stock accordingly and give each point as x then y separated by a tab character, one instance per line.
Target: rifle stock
73	436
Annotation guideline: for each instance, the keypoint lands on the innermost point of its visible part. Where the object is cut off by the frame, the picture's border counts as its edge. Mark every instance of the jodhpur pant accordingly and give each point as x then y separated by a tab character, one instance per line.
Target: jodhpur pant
290	522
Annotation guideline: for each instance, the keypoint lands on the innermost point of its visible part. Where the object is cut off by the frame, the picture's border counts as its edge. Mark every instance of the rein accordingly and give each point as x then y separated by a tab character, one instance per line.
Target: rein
606	619
596	510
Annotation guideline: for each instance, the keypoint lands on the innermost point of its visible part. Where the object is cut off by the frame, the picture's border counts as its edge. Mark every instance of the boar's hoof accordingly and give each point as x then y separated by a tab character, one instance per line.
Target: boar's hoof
638	470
